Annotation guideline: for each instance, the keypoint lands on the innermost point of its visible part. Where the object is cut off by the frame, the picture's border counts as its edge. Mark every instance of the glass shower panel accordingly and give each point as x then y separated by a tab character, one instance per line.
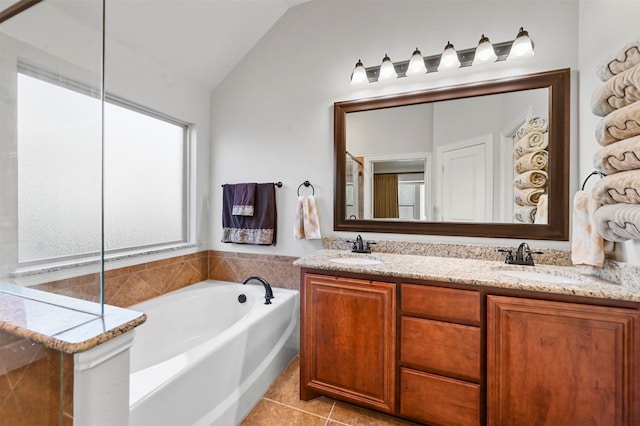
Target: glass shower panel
51	62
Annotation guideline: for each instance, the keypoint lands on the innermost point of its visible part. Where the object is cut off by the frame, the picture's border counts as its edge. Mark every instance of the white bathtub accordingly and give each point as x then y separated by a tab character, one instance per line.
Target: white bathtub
204	358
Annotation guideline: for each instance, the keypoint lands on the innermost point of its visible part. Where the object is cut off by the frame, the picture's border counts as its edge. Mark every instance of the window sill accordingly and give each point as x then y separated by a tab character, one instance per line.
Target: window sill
94	262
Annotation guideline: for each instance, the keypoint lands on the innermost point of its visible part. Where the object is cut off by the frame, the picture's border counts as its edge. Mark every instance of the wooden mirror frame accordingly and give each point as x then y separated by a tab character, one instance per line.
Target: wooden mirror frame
558	83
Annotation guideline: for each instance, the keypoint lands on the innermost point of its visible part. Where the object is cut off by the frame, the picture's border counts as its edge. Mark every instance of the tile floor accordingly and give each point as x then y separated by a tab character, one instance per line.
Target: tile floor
281	405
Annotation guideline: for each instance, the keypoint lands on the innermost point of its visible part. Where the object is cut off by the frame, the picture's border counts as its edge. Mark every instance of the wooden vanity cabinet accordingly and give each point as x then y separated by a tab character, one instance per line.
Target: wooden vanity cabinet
348	335
558	363
440	355
460	356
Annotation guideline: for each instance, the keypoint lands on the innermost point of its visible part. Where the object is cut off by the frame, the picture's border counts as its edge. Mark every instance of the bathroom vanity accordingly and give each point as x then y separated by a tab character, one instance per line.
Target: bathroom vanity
448	341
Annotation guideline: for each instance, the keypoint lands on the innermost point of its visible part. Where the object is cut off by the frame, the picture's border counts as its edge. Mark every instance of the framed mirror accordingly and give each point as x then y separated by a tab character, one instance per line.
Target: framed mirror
487	159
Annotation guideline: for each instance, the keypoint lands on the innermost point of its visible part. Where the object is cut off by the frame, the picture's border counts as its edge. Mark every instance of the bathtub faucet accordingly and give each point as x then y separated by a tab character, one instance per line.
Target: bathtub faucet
268	293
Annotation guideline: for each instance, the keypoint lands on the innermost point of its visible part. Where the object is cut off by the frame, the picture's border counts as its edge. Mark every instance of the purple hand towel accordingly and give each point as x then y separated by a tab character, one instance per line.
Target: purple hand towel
258	229
244	198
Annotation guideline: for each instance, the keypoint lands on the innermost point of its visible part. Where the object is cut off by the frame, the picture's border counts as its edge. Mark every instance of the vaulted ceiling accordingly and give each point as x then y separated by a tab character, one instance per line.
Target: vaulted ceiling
203	39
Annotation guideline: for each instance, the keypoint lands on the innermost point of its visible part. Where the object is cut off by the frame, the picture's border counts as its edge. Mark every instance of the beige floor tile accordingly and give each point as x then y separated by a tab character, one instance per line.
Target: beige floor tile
281	406
356	416
286	390
269	413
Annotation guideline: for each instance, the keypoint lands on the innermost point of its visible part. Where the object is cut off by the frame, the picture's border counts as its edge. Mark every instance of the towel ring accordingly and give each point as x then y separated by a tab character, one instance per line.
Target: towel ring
593	173
307	184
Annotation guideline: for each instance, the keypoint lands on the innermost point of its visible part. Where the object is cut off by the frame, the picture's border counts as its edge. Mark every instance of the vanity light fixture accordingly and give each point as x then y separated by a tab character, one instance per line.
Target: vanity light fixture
522	46
449	59
359	75
416	64
485	53
387	71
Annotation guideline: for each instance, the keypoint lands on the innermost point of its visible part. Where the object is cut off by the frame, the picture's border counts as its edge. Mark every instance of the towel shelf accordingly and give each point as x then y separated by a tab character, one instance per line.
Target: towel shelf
306	184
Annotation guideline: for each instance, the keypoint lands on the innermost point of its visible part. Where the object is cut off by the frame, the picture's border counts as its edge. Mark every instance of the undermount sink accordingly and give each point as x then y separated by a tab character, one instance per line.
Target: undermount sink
541	276
356	260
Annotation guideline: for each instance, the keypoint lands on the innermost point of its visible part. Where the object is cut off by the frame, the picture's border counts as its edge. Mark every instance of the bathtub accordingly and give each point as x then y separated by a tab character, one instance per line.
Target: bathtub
204	358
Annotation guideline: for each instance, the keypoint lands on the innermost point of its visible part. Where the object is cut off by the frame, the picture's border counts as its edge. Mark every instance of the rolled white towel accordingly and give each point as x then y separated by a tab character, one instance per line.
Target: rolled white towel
534	124
617	92
623	187
532	141
624	58
537	160
524	214
528	196
618	157
620	124
618	222
531	179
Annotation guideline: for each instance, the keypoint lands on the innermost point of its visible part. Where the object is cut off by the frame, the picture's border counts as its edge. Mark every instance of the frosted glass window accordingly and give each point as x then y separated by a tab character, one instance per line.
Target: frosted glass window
144	187
59	171
60	174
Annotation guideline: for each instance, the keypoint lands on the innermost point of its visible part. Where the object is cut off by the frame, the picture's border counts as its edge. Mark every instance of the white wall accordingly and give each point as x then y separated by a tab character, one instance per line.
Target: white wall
605	26
271	118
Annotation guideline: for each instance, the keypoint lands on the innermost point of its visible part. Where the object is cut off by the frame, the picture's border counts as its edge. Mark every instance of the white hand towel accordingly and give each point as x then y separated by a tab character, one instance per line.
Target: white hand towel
307	225
587	246
542	212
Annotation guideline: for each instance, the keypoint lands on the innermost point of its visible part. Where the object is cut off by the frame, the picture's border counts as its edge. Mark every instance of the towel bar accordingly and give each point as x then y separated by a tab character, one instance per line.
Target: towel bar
278	184
307	184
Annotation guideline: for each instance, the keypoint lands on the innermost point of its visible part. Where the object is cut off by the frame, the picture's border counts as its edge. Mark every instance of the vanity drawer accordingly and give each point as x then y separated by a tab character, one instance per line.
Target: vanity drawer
438	400
440	347
448	304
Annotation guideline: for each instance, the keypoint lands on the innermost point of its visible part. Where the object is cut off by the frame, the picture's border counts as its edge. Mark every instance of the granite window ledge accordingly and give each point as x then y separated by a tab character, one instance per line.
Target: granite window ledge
94	261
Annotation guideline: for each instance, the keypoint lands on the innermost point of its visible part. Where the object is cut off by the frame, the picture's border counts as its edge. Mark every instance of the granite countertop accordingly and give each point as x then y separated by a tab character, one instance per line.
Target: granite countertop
570	280
62	323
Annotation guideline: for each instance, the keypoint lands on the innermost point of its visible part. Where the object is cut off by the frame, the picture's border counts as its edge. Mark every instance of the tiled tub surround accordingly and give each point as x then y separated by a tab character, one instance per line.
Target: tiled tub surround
134	284
480	272
234	267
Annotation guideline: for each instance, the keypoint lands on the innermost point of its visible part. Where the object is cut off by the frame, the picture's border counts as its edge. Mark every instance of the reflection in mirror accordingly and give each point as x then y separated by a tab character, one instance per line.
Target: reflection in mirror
440	161
473	142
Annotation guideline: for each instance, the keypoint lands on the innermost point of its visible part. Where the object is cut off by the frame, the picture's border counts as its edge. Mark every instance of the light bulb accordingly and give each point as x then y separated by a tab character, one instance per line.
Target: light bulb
522	46
387	71
449	59
485	53
359	76
416	64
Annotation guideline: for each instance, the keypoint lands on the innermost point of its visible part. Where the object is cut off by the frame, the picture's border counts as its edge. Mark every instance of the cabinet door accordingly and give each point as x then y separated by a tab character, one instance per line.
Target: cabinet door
348	340
558	363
